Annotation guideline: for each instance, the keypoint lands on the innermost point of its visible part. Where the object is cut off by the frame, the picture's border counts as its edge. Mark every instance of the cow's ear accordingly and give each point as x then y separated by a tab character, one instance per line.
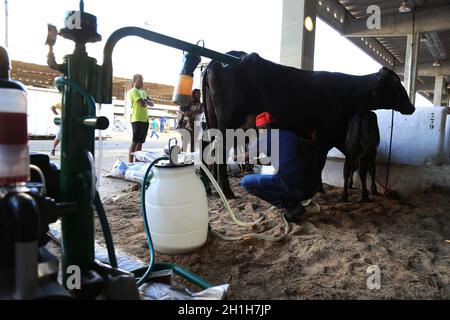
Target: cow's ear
383	73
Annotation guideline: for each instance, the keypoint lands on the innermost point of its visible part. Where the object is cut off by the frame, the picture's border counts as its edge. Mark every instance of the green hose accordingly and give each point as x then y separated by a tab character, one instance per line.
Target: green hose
146	227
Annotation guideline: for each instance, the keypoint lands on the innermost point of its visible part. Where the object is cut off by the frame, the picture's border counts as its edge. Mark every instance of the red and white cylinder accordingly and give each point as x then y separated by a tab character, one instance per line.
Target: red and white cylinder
14	155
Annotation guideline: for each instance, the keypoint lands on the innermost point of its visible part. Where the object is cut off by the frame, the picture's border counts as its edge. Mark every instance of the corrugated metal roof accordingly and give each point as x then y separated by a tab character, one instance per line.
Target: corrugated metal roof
395	45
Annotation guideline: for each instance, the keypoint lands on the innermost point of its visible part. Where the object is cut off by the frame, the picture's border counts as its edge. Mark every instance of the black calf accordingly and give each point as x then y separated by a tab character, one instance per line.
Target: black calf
362	140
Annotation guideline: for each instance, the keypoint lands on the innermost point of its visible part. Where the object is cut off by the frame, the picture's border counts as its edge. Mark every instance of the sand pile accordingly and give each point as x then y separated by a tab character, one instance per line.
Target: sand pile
326	256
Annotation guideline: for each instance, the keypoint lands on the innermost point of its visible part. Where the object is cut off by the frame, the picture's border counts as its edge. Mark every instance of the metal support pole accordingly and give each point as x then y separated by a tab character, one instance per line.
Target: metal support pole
76	171
438	90
298	33
6	23
412	52
127	108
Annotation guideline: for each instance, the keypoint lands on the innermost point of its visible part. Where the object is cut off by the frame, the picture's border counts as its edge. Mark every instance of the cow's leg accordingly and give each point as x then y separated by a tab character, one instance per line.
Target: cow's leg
321	160
363	165
224	183
347	174
350	180
372	171
222	169
204	178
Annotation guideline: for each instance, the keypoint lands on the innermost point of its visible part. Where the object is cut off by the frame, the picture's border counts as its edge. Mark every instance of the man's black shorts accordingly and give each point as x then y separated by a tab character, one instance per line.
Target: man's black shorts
140	130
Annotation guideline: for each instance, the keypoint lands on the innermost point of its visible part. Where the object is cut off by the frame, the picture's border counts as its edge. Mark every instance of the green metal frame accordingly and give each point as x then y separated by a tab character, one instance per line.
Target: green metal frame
83	80
105	95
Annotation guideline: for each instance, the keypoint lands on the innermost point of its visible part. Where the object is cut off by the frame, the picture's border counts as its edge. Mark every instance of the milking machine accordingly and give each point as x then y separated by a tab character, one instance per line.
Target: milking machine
27	269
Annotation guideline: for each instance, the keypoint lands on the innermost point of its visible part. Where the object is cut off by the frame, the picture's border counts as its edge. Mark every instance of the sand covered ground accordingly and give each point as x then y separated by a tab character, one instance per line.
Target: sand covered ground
325	256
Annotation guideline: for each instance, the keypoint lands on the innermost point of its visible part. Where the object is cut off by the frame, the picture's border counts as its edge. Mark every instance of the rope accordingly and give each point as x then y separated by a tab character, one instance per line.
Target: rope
389	155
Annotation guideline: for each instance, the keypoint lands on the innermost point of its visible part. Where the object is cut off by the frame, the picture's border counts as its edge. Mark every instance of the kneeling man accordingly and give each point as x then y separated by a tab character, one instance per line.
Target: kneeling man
296	179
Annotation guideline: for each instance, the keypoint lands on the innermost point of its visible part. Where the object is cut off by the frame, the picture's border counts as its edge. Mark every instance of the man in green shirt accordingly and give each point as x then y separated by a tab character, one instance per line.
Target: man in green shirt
139	118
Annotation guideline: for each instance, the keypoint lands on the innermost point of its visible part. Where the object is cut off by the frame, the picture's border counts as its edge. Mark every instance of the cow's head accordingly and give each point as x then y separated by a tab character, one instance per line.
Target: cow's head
389	93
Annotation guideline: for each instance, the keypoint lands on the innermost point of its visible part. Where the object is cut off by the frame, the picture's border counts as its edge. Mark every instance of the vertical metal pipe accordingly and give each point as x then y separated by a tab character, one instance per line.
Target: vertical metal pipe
6	23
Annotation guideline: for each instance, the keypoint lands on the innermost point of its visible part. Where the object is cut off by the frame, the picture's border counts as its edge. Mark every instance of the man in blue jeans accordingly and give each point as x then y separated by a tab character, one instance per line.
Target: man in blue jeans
296	179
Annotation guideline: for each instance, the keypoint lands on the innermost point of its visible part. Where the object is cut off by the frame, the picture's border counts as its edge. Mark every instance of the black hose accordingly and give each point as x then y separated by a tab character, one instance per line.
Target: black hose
106	231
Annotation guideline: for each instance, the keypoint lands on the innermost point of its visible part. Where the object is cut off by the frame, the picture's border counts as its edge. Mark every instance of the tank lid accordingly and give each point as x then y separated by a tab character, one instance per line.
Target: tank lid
168	164
5	66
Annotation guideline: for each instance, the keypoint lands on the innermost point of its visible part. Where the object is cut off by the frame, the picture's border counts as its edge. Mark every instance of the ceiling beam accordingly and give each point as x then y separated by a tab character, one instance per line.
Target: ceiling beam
400	24
428	87
335	14
427	69
435	46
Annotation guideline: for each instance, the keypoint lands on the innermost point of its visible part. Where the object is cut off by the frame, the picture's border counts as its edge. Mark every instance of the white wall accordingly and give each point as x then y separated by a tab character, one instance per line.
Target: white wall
447	141
418	139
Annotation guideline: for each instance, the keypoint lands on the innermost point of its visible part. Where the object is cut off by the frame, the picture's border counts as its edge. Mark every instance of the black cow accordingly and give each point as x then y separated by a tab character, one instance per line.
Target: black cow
302	101
361	143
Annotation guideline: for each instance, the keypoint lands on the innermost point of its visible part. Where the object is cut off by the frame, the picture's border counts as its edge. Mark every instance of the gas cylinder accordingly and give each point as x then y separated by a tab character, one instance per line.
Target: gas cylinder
177	208
14	157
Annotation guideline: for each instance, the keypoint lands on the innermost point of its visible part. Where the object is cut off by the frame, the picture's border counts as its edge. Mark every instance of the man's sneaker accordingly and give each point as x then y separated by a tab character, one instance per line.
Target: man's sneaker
311	206
293	214
52	152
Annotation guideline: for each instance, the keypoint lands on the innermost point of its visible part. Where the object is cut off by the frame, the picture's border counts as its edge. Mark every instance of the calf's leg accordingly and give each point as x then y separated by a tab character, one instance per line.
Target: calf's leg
363	175
373	188
347	173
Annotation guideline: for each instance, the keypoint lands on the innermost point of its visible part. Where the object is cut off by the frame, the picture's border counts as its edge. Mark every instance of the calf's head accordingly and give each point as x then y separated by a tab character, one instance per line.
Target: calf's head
389	93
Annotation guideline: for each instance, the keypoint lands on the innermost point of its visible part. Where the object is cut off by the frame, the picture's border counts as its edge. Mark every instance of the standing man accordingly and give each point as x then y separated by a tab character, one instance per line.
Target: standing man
154	128
56	109
192	120
162	123
197	111
139	118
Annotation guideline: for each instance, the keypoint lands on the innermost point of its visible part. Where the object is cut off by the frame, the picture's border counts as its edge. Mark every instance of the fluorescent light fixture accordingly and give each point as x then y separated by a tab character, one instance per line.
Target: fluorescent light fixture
404	8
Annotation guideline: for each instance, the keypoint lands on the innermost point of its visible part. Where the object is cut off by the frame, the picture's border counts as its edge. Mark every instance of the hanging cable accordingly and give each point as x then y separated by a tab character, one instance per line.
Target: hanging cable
389	155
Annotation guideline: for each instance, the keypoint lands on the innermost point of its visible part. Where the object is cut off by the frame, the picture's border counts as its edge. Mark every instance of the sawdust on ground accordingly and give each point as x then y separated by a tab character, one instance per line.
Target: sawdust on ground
326	256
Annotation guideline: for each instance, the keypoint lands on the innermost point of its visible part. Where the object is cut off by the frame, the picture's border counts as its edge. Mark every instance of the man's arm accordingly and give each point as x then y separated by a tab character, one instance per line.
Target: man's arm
149	102
141	98
198	109
142	103
53	108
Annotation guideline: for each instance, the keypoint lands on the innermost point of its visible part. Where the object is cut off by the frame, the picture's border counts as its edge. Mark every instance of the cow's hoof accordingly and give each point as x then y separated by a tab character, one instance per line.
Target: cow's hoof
344	199
365	200
374	193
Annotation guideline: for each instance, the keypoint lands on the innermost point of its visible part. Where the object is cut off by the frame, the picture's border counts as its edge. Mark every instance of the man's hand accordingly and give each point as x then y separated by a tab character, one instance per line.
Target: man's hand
149	102
54	110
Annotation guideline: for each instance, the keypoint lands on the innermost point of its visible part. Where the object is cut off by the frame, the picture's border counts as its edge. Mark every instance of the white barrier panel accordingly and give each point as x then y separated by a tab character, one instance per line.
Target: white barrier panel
418	139
41	118
447	141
